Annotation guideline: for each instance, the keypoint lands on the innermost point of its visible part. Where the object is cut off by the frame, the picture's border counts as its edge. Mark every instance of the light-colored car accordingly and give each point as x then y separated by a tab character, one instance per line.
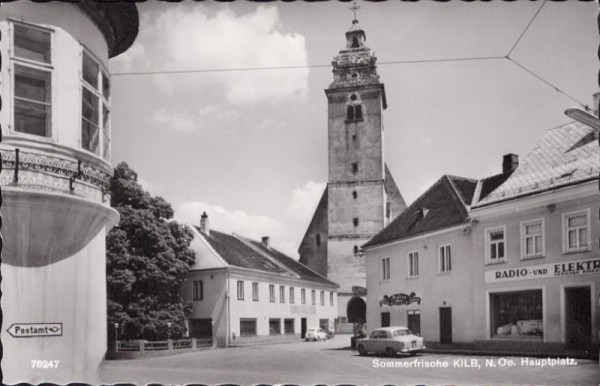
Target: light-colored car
315	334
390	341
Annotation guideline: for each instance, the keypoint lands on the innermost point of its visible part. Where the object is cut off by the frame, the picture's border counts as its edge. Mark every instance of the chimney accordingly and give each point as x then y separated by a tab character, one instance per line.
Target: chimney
265	241
204	227
595	107
510	162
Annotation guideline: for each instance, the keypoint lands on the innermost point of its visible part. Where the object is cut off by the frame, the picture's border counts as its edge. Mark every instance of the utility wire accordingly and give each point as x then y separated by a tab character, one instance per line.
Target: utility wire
526	28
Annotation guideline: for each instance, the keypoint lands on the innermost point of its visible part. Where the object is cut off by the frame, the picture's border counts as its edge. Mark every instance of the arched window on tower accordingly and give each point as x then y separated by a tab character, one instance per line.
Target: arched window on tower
358	112
350	113
355	42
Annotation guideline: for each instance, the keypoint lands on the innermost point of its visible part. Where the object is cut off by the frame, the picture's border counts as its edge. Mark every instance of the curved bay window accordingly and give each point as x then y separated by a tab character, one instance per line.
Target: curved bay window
517	314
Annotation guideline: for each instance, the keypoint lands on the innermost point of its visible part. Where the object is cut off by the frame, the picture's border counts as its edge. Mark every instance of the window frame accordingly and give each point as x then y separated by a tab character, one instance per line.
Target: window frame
445	261
523	225
588	228
410	269
281	294
35	66
240	290
292	297
197	295
313	297
255	289
322	298
385	265
272	293
488	243
303	295
249	320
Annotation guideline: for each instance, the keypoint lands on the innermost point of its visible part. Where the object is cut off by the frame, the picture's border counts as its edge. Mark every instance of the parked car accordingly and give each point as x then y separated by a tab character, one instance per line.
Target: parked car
315	334
390	341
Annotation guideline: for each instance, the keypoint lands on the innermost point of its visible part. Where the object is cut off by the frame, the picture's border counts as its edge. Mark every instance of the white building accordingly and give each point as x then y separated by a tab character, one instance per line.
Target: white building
244	291
55	118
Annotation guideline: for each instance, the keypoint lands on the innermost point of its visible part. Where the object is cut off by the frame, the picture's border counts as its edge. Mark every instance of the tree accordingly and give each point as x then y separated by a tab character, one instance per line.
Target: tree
148	256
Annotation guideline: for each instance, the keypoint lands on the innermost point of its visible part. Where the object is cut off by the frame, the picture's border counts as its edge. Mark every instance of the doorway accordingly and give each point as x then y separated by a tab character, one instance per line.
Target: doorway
578	317
303	327
446	325
385	319
356	310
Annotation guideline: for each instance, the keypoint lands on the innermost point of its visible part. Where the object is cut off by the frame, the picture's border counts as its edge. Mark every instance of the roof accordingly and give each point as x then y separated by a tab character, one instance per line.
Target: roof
566	155
443	205
242	252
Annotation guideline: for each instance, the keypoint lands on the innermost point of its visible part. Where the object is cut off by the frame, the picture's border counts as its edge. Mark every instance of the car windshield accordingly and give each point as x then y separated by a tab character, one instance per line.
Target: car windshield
401	332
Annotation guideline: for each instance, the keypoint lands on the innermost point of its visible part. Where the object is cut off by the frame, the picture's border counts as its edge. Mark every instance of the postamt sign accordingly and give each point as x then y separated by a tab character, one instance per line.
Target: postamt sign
544	271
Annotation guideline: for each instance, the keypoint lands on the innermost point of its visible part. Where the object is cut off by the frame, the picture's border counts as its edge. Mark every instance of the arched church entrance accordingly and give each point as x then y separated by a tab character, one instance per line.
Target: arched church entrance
356	310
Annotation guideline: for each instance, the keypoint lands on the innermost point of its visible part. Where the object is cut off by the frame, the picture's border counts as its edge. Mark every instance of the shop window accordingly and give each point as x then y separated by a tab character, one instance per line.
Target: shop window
247	327
413	264
32	80
303	296
274	326
517	314
322	298
445	259
272	293
281	294
292	300
255	292
288	326
240	290
413	321
198	290
313	297
532	239
576	236
324	324
494	239
385	268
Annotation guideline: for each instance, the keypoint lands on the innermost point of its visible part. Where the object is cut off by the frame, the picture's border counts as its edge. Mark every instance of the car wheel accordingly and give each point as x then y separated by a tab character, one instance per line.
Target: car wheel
390	352
306	339
361	351
413	353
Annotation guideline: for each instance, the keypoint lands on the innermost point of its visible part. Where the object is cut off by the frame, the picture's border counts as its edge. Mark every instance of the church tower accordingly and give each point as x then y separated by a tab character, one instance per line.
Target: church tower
361	196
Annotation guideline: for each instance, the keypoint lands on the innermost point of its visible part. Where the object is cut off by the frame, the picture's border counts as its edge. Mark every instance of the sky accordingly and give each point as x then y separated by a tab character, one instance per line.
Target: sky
210	133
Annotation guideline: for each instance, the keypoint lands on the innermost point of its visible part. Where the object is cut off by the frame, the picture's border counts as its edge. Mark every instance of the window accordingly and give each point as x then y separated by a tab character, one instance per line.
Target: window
517	314
288	326
95	111
385	268
324	324
576	236
385	319
32	81
354	167
358	112
247	327
355	250
322	297
413	321
313	297
318	239
291	295
198	290
494	239
350	113
445	259
353	112
255	292
240	290
274	326
532	238
272	293
303	296
354	42
281	294
355	221
413	264
354	194
331	298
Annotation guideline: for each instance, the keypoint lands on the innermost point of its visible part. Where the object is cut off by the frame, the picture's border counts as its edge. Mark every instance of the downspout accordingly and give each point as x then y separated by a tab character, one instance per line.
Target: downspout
228	329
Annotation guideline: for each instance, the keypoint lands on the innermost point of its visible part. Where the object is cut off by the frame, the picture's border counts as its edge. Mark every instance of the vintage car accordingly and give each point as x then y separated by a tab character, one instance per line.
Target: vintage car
315	334
390	341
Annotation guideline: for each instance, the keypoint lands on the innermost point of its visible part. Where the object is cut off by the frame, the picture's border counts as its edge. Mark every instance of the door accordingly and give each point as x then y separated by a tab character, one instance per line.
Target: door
578	317
385	319
445	325
303	327
414	321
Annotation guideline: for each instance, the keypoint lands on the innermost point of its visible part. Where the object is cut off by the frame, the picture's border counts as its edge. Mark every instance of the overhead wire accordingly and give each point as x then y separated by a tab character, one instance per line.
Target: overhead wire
393	62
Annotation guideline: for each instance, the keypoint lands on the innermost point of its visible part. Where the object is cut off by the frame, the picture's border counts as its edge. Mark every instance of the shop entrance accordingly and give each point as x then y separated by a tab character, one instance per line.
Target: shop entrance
303	328
578	317
445	325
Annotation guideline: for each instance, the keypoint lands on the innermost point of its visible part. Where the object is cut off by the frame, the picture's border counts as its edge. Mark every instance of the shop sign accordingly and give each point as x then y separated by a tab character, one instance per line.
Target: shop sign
544	271
35	330
399	299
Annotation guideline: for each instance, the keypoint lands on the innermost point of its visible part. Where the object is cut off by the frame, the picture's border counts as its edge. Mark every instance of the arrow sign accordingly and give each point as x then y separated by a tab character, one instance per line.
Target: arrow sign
35	330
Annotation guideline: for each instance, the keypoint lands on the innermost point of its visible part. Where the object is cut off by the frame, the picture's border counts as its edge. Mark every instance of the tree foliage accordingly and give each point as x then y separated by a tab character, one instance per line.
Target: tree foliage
148	256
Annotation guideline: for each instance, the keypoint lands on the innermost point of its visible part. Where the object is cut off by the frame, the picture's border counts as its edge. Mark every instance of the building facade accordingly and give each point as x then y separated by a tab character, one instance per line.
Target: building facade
55	116
244	291
520	272
361	196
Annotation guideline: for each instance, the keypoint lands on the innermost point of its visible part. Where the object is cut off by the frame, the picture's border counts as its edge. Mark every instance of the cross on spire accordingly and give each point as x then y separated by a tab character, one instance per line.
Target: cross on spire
354	8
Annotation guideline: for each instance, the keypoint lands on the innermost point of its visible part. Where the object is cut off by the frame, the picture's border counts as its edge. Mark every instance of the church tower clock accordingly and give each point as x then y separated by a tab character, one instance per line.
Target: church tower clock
361	196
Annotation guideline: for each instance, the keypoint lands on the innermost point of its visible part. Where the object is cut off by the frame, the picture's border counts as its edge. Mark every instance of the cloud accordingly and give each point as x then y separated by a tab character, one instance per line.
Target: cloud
304	202
175	120
223	40
125	61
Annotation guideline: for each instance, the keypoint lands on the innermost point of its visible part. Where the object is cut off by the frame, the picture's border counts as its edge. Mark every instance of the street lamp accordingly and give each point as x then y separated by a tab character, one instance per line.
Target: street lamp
169	331
116	336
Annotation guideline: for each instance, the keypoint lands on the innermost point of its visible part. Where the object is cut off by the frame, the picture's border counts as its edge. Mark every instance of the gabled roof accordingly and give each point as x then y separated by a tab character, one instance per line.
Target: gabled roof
566	155
242	252
443	205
